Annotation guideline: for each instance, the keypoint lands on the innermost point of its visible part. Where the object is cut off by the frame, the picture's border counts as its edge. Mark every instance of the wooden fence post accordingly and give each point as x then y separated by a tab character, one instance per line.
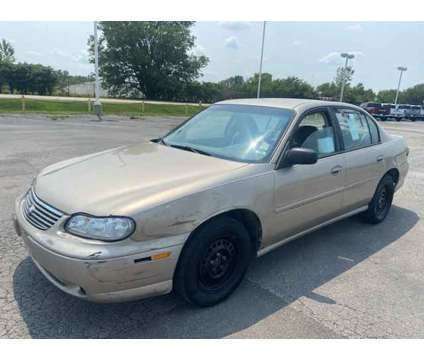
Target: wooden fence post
89	105
186	109
142	107
23	102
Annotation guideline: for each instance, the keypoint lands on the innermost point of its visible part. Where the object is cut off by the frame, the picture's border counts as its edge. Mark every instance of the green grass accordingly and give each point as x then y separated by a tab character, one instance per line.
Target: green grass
81	107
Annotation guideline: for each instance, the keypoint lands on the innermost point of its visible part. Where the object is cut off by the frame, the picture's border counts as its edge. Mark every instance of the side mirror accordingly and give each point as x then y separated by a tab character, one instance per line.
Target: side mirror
301	156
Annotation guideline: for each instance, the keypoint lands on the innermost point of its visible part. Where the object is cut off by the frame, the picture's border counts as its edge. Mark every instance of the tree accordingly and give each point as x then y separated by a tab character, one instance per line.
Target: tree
343	75
358	94
251	85
292	87
233	87
386	96
328	90
154	57
208	92
6	59
6	52
414	95
29	78
6	73
43	79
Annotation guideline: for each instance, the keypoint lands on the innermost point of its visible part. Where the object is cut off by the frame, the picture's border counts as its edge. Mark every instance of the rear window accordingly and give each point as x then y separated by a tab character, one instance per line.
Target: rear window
375	134
354	128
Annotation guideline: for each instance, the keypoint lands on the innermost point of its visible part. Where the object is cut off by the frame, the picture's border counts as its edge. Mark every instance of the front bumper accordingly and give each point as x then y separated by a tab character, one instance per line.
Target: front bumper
113	279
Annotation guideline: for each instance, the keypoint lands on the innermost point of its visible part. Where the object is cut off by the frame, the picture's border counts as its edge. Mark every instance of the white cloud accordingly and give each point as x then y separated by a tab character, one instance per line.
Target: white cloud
81	57
235	25
297	43
58	53
33	53
354	27
334	58
330	57
231	42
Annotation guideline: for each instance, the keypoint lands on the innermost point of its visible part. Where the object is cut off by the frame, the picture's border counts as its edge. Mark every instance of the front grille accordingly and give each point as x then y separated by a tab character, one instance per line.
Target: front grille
38	213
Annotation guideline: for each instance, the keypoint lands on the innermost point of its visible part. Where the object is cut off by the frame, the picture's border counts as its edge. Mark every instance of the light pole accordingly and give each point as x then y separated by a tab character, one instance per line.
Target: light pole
347	56
97	103
401	69
258	95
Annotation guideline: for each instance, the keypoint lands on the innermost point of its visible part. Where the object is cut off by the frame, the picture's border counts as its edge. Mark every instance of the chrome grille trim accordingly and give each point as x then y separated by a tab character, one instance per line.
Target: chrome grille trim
38	213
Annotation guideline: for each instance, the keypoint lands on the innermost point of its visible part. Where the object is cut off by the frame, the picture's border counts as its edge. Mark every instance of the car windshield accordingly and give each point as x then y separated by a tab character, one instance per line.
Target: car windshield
235	132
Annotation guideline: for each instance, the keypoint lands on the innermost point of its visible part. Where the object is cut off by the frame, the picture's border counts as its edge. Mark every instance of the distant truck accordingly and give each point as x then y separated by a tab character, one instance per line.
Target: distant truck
414	112
387	111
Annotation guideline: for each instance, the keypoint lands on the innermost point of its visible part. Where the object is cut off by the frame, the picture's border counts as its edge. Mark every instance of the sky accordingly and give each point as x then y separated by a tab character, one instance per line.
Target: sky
309	50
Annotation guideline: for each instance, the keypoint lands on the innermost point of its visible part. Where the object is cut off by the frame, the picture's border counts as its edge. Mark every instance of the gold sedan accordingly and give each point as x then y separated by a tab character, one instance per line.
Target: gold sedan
191	210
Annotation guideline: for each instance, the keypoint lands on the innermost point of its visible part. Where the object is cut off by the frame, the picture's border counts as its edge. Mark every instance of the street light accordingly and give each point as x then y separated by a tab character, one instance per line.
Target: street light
401	69
97	103
347	56
258	95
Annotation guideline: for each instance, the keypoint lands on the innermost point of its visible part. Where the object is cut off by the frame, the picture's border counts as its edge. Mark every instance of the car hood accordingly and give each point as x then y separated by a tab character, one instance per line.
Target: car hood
117	180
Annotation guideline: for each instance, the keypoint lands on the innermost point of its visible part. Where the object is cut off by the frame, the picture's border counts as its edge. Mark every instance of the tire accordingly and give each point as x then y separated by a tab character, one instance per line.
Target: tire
381	202
213	262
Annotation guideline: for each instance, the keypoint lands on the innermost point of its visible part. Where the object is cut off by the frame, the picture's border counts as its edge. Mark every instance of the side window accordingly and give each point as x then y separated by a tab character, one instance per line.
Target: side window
354	128
375	134
315	133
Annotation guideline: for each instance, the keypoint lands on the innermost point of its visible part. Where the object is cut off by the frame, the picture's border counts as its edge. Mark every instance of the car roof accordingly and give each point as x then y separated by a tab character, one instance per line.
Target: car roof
286	103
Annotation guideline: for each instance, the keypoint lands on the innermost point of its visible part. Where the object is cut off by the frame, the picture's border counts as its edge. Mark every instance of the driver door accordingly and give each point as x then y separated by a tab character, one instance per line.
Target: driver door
308	195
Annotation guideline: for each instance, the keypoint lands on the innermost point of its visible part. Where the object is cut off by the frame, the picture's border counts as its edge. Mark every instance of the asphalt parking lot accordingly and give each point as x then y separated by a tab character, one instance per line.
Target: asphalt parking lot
347	280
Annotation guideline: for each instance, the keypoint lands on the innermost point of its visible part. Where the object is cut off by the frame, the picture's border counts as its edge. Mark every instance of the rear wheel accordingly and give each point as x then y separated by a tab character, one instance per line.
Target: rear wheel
213	262
381	202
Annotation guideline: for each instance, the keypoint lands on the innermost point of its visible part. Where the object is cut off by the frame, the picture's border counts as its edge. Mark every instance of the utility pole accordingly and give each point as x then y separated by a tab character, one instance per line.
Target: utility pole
347	56
97	103
401	69
258	95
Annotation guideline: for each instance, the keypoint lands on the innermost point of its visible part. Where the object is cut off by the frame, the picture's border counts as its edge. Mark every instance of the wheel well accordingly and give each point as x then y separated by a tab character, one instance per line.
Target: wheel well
248	218
251	222
394	173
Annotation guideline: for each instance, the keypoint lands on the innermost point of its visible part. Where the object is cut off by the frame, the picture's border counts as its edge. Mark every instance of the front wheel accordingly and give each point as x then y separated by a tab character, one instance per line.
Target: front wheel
213	262
381	202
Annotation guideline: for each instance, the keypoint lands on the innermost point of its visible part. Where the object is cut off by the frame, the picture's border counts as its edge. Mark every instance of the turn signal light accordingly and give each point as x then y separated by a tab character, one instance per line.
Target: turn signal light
162	255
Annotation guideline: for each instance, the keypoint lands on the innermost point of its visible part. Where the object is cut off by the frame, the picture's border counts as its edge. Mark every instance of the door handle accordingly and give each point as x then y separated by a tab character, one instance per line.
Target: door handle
380	158
336	170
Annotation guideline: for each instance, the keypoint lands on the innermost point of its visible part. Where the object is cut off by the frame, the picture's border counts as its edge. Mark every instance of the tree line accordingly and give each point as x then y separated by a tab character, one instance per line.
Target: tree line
25	78
158	61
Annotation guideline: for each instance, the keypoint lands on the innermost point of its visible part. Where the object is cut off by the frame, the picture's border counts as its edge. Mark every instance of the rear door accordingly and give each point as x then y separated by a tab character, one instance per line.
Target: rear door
364	156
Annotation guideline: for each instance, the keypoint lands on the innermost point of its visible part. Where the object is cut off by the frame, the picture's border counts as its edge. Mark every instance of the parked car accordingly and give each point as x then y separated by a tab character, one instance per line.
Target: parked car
385	111
189	211
413	113
372	107
377	110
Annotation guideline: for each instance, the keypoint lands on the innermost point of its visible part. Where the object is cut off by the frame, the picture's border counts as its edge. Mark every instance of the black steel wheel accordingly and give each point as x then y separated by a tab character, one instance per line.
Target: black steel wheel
218	263
381	202
213	261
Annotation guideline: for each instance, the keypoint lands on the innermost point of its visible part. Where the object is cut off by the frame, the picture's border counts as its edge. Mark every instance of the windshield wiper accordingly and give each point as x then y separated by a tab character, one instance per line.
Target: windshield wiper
188	148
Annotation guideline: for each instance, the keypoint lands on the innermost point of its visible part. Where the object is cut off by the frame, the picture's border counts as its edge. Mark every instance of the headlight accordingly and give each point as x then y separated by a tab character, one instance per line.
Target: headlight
110	228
